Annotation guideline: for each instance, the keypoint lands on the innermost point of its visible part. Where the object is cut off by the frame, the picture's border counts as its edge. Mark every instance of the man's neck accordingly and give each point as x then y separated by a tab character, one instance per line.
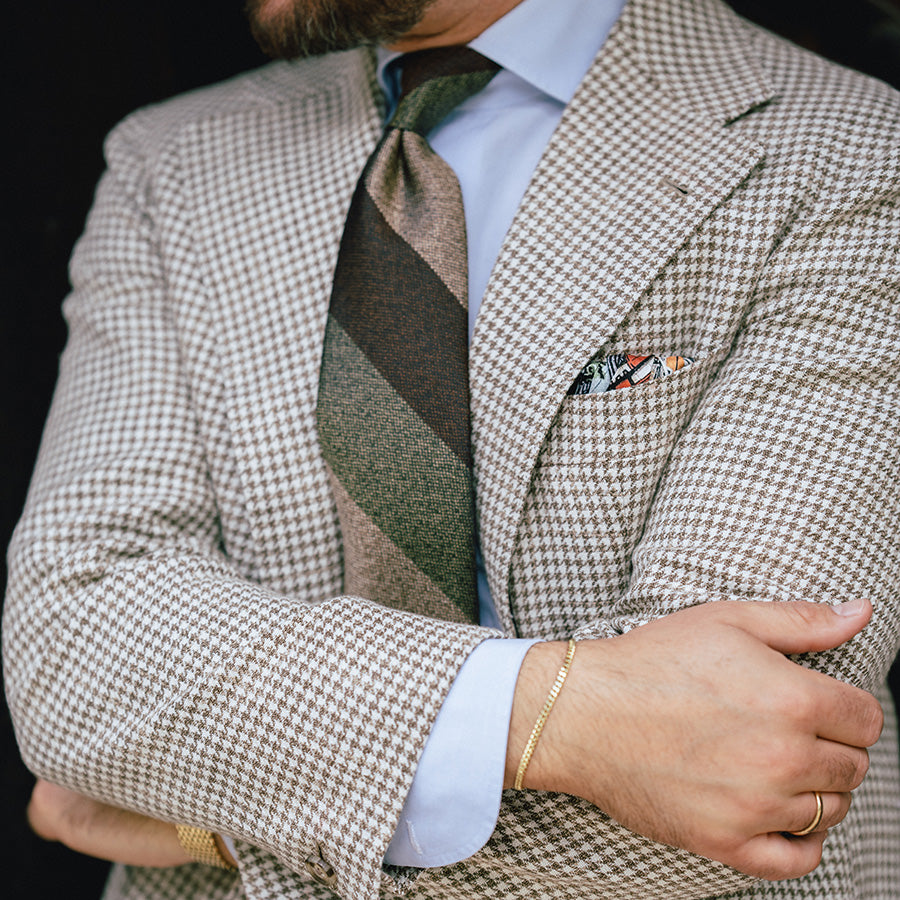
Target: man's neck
449	22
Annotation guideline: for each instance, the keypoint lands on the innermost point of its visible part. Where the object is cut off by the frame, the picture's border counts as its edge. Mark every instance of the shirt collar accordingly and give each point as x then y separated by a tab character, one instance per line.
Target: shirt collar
548	43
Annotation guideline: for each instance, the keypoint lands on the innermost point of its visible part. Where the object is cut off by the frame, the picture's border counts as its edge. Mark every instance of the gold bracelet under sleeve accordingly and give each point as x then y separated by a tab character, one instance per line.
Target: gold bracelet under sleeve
528	752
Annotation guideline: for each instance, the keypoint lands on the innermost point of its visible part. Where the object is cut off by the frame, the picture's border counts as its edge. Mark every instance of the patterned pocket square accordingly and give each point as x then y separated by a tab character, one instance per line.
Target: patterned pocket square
622	370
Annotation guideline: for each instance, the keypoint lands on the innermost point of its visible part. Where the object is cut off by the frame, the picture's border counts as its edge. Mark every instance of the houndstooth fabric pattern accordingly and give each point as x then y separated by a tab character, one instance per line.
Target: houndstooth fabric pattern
175	640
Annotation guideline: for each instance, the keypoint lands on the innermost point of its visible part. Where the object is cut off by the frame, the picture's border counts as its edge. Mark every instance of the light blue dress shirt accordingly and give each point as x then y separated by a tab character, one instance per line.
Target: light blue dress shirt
493	142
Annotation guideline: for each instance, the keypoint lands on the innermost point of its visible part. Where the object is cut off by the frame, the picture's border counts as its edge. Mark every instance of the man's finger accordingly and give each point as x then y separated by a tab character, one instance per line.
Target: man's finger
97	829
799	627
842	713
776	856
801	812
833	767
49	810
813	764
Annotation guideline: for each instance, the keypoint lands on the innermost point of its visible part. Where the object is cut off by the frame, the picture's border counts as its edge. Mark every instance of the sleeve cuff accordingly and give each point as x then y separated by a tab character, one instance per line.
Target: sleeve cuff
452	807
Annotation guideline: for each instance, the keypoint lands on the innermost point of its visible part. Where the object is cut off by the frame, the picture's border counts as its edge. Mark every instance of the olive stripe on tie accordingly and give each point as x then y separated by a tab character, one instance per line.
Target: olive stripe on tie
393	408
405	512
396	573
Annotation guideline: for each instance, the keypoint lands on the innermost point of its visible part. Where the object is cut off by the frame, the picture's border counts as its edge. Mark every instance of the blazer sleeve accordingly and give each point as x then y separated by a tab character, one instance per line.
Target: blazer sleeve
143	666
783	484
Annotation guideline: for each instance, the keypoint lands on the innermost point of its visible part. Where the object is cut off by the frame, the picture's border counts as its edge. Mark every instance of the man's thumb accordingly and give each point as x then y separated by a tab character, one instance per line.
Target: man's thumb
806	627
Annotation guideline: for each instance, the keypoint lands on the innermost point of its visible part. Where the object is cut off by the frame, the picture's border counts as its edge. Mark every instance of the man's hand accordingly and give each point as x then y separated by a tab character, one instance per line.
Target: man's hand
695	730
97	829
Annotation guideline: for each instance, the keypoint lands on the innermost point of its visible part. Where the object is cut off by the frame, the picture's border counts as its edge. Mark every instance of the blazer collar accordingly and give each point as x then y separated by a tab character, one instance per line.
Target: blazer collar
641	157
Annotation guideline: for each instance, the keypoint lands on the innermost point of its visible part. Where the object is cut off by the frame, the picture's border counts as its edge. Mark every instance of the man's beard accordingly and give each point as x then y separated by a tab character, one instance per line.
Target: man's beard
286	29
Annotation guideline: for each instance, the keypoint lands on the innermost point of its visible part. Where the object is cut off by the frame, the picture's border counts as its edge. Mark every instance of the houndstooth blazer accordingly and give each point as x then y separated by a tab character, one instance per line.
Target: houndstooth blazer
175	637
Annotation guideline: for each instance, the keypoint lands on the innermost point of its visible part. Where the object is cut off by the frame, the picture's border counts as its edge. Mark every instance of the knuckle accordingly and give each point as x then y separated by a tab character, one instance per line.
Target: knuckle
791	770
789	708
800	706
766	807
808	613
873	722
787	762
861	770
751	819
861	708
844	768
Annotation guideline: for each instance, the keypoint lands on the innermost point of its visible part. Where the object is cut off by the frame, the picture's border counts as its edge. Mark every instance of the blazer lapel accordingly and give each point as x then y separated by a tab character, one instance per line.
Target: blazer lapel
642	156
280	180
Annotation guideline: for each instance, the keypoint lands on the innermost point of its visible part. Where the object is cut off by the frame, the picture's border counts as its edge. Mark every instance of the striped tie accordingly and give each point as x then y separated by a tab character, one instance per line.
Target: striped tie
393	408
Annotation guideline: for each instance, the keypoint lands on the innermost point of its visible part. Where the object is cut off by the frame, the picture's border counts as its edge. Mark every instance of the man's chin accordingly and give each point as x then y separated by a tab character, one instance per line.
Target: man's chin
289	29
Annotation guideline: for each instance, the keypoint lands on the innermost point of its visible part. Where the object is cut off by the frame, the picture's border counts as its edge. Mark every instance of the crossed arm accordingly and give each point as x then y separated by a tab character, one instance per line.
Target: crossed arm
729	740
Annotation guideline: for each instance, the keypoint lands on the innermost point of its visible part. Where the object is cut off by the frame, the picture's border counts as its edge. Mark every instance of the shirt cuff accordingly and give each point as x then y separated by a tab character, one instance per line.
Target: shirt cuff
229	843
451	809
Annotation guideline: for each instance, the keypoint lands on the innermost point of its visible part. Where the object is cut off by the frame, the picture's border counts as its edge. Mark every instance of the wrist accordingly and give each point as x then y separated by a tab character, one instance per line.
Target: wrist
537	675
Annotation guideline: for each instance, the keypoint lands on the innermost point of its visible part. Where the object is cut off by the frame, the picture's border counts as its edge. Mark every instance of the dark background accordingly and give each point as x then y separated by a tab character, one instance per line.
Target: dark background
71	70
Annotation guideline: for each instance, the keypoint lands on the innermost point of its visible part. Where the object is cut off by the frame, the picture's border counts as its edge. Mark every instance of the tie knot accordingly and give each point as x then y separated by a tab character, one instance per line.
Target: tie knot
434	82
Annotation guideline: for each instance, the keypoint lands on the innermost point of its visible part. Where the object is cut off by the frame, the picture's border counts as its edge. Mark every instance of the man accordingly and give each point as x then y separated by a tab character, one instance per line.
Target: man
176	640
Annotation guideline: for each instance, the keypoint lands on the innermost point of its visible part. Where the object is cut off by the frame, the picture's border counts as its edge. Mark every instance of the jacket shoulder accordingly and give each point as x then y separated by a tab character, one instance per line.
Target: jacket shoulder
150	131
828	102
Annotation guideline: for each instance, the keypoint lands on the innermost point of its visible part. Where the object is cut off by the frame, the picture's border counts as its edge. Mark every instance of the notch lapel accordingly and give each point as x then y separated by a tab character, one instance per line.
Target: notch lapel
641	157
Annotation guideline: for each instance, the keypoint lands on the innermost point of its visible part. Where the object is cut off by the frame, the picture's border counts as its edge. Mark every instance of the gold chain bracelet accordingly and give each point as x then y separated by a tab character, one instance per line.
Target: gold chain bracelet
528	752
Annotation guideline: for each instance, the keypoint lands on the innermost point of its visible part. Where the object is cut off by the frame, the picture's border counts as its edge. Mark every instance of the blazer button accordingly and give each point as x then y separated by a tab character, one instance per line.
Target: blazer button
319	870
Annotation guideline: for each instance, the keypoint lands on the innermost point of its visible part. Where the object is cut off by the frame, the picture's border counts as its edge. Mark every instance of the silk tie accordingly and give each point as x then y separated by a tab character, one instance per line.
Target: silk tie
393	406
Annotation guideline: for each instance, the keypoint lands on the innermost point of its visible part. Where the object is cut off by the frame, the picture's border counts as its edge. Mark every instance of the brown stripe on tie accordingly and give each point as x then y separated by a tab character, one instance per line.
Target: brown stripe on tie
393	410
427	220
415	337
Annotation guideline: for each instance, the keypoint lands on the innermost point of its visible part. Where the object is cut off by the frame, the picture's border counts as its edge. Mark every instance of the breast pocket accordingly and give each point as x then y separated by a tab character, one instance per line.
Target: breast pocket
595	479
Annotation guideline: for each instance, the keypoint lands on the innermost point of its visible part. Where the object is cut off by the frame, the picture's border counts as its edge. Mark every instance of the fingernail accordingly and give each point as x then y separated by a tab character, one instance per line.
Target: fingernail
849	607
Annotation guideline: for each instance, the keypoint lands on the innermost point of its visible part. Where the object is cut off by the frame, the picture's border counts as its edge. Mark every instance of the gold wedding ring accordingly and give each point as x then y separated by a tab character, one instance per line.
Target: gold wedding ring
817	818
